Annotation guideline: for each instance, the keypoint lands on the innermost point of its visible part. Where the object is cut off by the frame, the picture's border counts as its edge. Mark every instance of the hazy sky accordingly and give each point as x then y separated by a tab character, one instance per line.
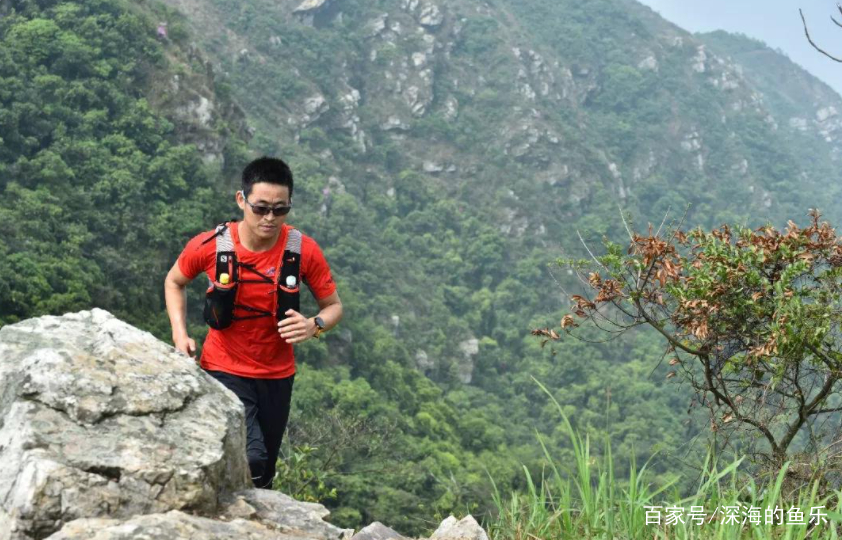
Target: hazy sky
775	22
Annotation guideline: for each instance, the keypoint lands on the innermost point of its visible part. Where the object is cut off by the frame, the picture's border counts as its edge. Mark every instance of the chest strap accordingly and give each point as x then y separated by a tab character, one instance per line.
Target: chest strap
287	272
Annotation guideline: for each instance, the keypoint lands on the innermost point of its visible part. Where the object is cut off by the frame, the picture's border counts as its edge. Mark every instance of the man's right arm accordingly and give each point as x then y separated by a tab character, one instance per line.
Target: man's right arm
175	295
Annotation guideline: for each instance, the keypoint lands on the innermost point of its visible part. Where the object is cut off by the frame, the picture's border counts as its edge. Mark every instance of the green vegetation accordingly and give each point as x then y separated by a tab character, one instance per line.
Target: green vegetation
750	319
585	500
439	229
97	185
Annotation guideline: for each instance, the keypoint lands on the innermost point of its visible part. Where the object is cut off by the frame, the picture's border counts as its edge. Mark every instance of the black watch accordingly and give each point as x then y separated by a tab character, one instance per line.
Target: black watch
320	326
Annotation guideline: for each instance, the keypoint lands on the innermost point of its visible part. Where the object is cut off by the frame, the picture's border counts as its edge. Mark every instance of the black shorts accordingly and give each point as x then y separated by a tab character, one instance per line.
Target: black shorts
266	403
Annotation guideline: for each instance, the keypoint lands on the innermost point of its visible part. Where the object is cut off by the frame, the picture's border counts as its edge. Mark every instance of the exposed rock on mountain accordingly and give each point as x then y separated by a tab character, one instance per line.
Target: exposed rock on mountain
794	98
377	531
310	5
466	528
108	431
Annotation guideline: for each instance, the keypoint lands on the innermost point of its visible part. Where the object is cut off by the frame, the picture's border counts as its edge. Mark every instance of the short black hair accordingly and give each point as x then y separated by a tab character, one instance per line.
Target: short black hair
267	169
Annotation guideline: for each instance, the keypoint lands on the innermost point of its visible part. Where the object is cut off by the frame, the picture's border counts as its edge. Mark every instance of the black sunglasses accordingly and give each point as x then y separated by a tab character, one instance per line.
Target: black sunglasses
262	210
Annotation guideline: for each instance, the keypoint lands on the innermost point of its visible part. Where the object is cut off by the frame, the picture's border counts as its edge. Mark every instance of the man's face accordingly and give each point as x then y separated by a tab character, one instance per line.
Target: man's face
266	195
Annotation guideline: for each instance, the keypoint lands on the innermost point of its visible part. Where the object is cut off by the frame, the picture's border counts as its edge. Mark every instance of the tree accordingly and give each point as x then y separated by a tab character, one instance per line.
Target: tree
751	320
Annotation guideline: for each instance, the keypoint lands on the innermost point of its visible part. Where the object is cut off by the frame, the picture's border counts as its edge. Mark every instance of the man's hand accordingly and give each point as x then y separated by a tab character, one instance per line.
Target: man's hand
296	328
186	345
175	294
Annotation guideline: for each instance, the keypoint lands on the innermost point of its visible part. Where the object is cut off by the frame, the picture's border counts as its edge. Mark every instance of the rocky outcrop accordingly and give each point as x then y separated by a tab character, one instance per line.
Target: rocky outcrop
309	6
466	528
110	434
105	428
377	531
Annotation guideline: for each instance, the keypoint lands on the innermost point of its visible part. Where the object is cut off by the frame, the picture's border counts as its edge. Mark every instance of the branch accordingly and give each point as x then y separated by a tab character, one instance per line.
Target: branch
805	411
661	226
839	7
823	411
823	393
670	338
625	223
724	398
829	362
597	261
807	33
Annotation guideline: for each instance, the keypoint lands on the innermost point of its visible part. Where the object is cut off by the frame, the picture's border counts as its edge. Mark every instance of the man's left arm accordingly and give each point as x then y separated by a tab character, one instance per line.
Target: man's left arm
297	328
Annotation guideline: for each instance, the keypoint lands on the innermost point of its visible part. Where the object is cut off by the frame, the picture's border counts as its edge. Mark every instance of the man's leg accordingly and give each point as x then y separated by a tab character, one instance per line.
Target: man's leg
246	390
273	398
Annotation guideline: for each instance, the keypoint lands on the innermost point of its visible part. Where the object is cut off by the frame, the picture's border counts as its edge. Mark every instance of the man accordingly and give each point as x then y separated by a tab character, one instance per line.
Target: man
254	266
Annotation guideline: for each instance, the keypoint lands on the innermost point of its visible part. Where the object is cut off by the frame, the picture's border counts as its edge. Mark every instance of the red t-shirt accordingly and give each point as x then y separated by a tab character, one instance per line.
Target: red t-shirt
253	347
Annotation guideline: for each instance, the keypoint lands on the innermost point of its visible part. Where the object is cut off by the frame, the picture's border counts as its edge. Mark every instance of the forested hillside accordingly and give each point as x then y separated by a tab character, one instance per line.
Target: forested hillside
111	149
445	154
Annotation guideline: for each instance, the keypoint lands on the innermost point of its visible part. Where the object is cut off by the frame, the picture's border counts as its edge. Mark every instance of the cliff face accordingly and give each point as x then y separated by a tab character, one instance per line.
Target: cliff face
105	127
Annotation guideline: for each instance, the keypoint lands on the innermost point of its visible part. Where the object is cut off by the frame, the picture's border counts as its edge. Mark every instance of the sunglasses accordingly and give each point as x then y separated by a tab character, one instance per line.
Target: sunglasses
262	210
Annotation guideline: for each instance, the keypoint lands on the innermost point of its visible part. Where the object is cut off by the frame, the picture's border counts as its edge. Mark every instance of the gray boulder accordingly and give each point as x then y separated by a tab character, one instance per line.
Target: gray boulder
466	528
378	531
107	432
285	514
169	526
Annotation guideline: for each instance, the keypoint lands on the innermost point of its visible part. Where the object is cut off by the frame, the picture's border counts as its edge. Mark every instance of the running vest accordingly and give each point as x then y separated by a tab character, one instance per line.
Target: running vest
221	298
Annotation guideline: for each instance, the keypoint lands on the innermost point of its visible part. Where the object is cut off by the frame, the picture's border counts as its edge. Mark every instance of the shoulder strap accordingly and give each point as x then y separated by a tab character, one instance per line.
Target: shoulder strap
290	266
288	276
226	257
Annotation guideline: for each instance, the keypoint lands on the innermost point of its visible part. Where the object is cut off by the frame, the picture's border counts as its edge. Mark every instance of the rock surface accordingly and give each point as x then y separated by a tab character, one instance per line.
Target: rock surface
285	514
169	526
466	528
103	423
377	531
310	5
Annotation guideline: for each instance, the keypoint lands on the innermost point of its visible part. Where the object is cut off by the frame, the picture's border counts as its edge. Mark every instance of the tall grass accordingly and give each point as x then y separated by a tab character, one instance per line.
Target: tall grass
584	502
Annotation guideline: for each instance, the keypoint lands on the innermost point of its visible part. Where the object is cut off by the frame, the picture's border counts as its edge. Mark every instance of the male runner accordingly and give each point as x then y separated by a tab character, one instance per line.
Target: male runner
253	355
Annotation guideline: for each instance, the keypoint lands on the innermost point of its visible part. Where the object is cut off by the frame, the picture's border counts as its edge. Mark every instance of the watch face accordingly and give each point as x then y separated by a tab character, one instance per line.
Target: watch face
320	323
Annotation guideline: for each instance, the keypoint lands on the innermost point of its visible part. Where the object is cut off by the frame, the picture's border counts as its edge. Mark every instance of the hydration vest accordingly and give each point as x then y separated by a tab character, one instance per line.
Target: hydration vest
221	298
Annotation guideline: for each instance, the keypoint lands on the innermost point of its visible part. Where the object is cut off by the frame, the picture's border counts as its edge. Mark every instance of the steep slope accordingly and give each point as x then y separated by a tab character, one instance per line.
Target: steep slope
630	100
528	119
798	101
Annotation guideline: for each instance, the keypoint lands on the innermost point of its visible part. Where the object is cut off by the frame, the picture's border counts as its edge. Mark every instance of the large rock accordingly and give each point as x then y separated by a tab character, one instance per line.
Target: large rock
308	6
282	512
103	424
378	531
466	528
169	526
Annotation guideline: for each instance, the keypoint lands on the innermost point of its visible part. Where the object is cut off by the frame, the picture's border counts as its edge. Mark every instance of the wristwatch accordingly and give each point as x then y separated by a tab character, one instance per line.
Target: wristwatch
320	326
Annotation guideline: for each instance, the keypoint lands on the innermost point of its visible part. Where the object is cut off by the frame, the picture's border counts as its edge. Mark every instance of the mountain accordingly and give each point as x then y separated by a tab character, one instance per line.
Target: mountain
445	155
798	101
569	100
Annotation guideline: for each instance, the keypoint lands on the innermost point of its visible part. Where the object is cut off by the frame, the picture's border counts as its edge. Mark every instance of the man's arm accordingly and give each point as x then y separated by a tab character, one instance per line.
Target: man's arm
330	310
296	328
175	295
